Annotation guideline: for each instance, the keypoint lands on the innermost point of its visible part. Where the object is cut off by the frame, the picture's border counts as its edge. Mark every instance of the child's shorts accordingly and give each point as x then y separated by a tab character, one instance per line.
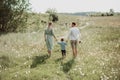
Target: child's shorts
63	52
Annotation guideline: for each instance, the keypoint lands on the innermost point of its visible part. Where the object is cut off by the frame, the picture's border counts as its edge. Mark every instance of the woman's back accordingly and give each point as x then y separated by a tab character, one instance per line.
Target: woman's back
49	32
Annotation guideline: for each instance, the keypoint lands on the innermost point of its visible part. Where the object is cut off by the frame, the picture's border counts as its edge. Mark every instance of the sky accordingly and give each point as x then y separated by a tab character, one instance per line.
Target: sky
72	6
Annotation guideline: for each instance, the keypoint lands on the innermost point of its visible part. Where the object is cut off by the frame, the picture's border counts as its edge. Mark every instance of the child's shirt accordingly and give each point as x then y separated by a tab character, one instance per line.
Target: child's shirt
62	44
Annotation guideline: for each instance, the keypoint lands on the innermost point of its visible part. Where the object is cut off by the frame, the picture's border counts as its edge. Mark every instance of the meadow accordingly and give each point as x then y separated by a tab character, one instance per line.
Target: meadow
23	56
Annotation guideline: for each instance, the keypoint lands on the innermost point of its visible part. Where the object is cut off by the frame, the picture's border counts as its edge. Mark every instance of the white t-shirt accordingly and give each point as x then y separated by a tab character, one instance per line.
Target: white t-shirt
74	34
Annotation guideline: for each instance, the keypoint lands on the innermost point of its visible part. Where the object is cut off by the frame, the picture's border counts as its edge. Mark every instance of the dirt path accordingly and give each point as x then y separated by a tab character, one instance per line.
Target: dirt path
86	24
82	27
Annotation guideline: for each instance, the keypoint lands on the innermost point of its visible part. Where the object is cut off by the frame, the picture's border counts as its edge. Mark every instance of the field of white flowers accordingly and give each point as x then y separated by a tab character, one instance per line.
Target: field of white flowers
23	56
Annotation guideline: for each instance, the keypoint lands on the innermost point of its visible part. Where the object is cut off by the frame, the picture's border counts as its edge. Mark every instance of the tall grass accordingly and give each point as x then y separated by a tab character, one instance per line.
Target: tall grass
23	56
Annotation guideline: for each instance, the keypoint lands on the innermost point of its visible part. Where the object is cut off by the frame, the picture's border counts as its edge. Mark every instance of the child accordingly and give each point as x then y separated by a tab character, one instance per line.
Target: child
63	49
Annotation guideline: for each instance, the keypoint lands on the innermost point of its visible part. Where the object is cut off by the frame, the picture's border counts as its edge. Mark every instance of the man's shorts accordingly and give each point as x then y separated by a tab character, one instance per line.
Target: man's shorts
73	43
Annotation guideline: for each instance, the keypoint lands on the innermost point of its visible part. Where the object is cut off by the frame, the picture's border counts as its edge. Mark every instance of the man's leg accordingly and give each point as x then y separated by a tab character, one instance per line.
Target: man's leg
75	51
72	45
76	48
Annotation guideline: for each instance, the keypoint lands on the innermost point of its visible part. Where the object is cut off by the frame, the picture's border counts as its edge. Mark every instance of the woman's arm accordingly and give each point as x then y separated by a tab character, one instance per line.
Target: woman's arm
54	35
45	35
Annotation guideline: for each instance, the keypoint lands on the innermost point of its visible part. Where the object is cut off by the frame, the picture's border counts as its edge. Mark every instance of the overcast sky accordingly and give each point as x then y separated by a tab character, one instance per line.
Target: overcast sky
75	5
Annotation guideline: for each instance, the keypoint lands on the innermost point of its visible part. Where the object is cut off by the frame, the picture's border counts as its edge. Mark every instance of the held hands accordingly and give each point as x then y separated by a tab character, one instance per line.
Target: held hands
56	39
45	39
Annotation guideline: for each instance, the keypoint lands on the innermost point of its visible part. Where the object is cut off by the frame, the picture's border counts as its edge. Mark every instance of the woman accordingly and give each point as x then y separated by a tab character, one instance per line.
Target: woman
49	34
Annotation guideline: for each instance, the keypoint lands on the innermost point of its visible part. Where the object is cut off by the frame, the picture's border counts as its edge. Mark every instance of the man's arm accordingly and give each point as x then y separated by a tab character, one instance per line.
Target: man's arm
68	36
79	39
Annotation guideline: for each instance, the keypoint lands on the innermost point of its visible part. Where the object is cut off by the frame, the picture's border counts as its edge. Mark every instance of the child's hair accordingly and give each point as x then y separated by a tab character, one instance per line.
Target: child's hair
73	23
62	39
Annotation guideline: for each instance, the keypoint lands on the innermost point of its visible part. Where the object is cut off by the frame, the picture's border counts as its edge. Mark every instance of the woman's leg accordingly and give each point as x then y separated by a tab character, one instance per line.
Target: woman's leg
49	52
49	44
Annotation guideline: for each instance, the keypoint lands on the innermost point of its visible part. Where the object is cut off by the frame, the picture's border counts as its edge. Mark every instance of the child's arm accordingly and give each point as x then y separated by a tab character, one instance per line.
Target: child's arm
68	35
79	39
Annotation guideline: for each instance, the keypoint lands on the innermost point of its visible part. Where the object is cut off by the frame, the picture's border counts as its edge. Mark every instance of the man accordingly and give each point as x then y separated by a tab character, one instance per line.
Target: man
74	37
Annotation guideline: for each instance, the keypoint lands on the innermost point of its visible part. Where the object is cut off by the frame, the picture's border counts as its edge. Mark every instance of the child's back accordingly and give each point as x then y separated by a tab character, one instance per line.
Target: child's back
62	44
63	47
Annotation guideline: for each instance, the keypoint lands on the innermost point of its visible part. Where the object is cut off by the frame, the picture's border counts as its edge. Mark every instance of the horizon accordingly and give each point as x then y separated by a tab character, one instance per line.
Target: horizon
74	6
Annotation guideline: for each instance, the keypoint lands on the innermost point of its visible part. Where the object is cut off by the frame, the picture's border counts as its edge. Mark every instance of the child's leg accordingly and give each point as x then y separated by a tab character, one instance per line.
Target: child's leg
62	53
65	54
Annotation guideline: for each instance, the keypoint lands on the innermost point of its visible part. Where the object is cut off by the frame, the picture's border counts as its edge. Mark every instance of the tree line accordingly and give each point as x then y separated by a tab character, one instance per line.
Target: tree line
110	13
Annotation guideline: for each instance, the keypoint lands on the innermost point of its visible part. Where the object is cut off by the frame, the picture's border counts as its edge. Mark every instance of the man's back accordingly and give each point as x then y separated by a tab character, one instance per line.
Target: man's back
74	33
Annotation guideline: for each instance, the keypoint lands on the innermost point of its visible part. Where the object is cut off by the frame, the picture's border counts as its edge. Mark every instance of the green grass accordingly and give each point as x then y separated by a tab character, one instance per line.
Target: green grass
23	56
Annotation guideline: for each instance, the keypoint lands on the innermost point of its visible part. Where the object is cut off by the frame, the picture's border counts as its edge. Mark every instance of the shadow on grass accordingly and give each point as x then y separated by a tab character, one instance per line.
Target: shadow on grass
39	60
67	66
59	60
3	33
5	62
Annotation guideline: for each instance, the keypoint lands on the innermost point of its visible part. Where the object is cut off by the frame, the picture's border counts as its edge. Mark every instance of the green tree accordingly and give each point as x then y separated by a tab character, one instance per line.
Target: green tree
13	15
111	12
52	15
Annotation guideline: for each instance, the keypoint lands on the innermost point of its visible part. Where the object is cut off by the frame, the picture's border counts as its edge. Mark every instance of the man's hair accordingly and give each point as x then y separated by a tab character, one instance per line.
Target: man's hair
73	23
49	23
62	39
